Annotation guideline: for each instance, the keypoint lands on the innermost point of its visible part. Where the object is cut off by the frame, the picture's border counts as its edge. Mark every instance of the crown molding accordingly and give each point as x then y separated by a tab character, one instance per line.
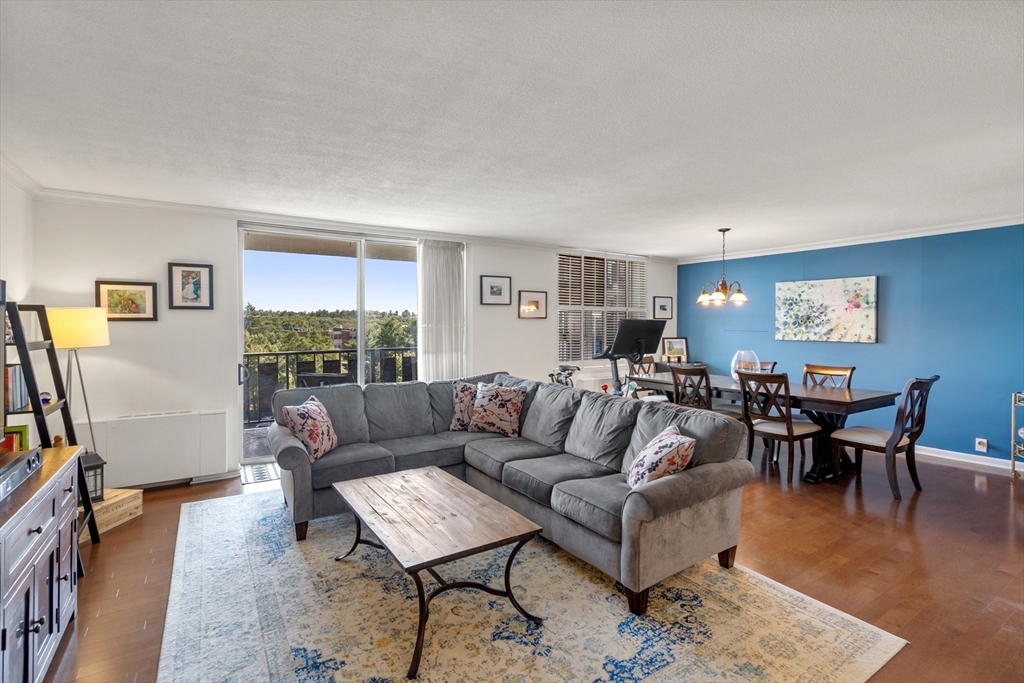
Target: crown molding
985	224
22	180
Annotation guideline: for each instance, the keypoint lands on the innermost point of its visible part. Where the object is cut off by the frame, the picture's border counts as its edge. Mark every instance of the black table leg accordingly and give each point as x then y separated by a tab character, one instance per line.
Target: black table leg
508	584
424	613
359	530
822	465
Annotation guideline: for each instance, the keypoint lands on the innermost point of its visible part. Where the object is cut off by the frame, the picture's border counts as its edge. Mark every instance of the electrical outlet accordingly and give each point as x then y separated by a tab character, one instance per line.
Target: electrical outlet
981	445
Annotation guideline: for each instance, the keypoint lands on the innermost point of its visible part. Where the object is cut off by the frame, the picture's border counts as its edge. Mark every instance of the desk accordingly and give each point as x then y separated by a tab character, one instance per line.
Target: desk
827	407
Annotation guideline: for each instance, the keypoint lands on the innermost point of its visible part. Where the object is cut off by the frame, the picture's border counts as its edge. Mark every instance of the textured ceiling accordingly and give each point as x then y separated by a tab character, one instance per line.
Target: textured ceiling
636	127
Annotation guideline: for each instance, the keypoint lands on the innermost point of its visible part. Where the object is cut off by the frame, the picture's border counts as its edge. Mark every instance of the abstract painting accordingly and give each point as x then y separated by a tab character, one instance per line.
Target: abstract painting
125	300
840	310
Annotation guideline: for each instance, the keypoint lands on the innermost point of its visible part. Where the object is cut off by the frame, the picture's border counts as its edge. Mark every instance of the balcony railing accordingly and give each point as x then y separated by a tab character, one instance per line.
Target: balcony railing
271	371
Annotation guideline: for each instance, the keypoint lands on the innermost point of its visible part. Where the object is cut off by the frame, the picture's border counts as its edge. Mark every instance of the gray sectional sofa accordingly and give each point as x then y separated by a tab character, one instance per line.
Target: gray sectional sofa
566	471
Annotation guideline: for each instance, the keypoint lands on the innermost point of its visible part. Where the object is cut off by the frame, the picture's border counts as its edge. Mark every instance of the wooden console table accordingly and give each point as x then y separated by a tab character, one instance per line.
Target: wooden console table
38	556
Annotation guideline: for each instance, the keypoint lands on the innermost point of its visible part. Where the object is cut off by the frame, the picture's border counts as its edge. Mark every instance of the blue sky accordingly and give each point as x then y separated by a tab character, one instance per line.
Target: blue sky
305	282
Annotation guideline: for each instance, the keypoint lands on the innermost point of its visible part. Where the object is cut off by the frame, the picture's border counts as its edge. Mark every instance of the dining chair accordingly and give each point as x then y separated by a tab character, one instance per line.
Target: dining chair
825	376
644	367
768	414
692	387
902	439
767	365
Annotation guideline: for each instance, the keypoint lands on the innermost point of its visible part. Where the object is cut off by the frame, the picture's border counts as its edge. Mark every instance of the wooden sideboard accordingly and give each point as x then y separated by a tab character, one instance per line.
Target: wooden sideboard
38	559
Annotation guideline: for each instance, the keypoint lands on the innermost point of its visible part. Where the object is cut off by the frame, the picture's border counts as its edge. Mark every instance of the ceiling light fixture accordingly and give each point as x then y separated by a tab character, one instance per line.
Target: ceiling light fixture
724	291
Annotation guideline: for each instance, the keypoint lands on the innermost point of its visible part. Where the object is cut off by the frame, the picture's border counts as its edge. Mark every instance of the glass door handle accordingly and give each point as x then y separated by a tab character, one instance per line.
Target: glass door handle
243	374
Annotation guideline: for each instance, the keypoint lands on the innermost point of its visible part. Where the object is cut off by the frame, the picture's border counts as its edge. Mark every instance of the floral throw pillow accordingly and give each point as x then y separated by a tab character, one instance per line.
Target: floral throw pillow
311	425
465	397
497	409
667	453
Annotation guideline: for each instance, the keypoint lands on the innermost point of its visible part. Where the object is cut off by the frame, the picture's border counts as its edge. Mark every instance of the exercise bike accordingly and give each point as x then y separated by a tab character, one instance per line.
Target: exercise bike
563	375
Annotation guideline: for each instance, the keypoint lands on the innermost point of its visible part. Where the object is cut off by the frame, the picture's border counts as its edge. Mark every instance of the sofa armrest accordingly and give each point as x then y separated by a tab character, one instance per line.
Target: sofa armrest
288	451
661	497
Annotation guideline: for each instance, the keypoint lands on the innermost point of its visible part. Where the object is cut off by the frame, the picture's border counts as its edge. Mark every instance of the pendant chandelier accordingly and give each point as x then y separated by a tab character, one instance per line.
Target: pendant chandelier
723	291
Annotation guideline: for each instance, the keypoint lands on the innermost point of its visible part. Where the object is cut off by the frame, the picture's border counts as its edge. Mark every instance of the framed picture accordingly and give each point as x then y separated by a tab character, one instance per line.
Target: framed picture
126	300
662	308
495	290
16	436
839	310
533	304
676	347
190	285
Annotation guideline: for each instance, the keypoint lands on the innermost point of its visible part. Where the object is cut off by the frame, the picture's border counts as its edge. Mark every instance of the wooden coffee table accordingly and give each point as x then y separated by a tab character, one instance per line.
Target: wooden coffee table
427	517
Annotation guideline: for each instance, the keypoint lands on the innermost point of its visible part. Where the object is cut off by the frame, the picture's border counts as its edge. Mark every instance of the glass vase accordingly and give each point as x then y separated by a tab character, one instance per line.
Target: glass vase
745	361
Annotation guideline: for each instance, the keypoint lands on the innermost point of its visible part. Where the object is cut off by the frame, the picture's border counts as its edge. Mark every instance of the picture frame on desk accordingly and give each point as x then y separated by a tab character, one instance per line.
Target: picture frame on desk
676	350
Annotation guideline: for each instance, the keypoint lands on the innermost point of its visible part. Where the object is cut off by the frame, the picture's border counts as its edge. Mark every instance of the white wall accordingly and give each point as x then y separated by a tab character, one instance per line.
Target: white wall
186	360
499	340
15	240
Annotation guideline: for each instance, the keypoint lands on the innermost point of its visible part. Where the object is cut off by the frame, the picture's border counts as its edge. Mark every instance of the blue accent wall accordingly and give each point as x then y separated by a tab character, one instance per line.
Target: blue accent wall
949	305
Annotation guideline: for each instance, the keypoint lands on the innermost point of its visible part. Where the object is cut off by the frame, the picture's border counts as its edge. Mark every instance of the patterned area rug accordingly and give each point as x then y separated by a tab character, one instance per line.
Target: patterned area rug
248	603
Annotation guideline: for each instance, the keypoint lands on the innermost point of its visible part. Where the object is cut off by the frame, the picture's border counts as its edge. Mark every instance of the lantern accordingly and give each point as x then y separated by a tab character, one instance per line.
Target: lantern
93	464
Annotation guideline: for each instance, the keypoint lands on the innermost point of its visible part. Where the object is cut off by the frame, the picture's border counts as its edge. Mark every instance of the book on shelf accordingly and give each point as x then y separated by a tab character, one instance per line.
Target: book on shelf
15	390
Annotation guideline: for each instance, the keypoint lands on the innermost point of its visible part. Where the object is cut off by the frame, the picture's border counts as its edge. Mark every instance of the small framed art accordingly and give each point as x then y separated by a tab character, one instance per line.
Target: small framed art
676	349
662	308
127	300
495	290
533	304
190	285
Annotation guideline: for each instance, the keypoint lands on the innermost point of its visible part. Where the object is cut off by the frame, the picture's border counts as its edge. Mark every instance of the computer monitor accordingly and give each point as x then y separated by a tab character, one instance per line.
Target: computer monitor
637	337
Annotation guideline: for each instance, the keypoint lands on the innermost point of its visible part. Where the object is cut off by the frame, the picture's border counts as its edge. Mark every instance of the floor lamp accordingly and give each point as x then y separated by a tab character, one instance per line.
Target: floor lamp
74	329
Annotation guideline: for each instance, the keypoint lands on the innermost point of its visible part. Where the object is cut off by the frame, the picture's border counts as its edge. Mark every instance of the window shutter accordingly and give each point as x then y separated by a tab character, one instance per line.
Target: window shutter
593	334
569	336
593	281
615	283
570	280
638	284
611	324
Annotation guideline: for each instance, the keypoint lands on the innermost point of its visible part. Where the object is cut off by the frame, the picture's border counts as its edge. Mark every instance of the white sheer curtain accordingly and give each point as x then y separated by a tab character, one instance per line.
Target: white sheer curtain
442	314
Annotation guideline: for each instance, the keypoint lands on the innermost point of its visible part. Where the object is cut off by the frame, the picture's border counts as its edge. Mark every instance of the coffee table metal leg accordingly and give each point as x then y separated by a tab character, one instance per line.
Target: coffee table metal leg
359	532
424	613
508	583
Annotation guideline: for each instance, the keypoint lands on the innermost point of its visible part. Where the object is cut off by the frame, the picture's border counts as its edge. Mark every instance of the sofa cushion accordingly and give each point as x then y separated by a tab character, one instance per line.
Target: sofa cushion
667	453
463	438
718	437
507	380
344	404
536	478
491	456
441	406
352	461
310	424
601	429
551	415
395	411
463	399
420	451
595	503
497	409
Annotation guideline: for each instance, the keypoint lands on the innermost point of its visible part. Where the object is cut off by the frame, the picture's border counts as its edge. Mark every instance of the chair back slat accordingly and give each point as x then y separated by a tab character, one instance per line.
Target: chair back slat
691	387
911	412
828	375
766	397
644	367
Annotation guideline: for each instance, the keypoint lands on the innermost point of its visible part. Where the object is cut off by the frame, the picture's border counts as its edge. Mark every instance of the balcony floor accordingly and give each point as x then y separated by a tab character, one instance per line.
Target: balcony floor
255	448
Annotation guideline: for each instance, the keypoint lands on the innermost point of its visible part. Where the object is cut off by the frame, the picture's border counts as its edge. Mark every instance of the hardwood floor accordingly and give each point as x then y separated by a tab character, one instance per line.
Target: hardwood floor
943	569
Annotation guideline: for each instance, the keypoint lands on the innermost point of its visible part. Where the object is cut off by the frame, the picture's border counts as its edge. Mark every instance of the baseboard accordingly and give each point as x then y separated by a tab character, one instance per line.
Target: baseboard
207	478
955	458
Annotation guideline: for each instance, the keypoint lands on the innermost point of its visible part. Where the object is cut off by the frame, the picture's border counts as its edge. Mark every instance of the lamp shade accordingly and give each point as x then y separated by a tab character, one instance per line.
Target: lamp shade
78	328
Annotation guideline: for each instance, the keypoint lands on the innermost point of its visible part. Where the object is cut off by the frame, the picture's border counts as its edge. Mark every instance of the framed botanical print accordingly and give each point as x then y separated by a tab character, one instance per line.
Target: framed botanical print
677	348
533	304
190	285
127	300
662	308
495	290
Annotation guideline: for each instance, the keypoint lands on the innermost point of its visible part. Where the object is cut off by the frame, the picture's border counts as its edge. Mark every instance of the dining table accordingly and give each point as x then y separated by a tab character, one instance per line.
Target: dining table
826	406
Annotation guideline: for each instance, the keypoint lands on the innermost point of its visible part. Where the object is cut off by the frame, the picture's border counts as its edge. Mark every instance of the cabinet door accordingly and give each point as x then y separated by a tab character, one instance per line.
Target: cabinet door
43	624
17	659
67	575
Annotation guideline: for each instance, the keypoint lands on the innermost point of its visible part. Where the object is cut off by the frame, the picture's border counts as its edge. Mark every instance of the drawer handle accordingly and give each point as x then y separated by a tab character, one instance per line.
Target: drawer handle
65	577
37	530
34	625
70	489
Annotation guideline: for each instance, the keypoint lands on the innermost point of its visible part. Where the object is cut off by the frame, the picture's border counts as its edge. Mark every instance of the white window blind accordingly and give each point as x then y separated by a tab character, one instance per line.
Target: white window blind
594	294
